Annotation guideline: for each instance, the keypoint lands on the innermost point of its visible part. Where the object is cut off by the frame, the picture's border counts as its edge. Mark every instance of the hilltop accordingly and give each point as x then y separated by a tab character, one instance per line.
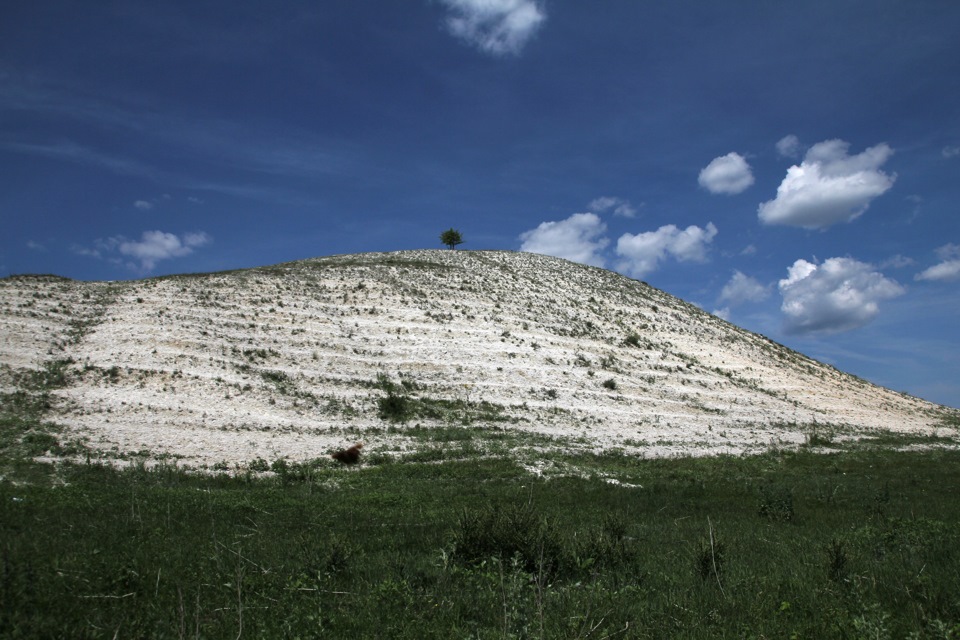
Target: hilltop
296	359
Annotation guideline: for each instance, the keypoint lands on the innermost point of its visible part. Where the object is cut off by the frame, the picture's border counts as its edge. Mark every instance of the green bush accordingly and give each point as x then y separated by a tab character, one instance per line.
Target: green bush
508	533
540	545
259	465
776	503
37	444
709	559
395	408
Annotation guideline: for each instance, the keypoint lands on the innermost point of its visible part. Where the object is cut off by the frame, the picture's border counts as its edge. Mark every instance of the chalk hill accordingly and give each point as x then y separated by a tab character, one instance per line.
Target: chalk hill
297	359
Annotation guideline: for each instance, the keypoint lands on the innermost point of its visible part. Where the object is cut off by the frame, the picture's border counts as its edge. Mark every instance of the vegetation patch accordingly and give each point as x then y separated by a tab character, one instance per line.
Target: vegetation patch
24	431
401	405
480	548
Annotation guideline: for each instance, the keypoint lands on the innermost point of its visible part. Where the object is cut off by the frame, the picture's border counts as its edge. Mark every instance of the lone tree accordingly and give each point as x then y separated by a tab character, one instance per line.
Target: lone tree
451	237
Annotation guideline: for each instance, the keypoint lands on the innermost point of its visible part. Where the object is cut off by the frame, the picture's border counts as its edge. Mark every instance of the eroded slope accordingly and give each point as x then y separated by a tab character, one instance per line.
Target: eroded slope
295	359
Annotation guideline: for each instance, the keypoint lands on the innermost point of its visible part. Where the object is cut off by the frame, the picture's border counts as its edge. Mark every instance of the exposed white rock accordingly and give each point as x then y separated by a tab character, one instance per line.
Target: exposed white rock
283	361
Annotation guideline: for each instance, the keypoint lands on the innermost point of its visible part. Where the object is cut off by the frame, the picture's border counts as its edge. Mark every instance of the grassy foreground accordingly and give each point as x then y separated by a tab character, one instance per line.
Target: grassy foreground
858	544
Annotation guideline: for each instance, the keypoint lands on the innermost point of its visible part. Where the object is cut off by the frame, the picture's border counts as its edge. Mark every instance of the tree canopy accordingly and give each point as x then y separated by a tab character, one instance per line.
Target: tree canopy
451	237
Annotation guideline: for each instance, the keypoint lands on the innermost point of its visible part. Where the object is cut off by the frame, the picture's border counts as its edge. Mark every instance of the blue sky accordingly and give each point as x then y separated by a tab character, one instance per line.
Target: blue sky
793	167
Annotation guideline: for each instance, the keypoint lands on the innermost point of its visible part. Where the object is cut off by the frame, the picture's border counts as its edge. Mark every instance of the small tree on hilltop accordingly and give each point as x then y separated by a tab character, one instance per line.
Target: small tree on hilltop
451	237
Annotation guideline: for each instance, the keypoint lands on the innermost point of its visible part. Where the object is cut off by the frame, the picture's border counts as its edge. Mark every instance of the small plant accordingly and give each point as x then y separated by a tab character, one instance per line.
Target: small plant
837	560
394	407
510	532
881	499
817	438
709	558
610	384
37	444
259	465
776	503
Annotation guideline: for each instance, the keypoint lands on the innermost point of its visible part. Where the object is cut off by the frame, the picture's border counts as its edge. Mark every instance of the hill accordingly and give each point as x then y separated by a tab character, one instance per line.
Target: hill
293	360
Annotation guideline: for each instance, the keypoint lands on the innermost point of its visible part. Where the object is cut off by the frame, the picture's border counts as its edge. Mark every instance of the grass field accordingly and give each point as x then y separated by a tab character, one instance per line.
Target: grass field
861	543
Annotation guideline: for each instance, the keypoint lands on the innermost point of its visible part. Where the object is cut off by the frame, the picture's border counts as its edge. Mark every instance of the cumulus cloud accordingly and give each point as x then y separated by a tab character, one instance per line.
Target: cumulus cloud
620	207
838	295
497	27
789	146
643	252
578	238
829	186
950	152
947	269
729	174
143	205
152	247
742	288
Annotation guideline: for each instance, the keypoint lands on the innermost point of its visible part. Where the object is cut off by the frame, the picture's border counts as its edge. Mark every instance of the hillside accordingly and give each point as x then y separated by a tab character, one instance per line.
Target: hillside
293	360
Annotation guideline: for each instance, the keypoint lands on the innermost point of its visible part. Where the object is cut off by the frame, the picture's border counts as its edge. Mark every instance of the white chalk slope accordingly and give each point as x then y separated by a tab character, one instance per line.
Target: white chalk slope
284	361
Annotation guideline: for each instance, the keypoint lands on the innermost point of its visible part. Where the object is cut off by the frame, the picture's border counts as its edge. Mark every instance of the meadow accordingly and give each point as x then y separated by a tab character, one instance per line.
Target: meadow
857	543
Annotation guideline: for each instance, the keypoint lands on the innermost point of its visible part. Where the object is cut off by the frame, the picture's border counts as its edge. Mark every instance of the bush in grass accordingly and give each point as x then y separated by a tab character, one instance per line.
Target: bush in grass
259	465
709	559
508	533
776	503
605	548
37	444
537	545
837	560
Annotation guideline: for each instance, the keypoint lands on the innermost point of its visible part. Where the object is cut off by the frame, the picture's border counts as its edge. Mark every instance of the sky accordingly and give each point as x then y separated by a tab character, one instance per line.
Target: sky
791	167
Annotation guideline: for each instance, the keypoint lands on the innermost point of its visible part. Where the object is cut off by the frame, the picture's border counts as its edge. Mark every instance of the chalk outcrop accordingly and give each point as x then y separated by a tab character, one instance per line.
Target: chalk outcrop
294	360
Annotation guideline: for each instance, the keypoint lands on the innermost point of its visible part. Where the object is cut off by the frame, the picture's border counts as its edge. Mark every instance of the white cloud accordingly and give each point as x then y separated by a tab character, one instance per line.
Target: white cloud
789	146
496	27
159	245
152	247
729	174
948	269
578	238
950	152
742	288
143	205
35	246
838	295
620	207
829	186
642	253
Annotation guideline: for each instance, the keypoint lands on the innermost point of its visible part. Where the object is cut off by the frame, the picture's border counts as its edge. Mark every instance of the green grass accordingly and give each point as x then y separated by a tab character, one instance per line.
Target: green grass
855	544
455	539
